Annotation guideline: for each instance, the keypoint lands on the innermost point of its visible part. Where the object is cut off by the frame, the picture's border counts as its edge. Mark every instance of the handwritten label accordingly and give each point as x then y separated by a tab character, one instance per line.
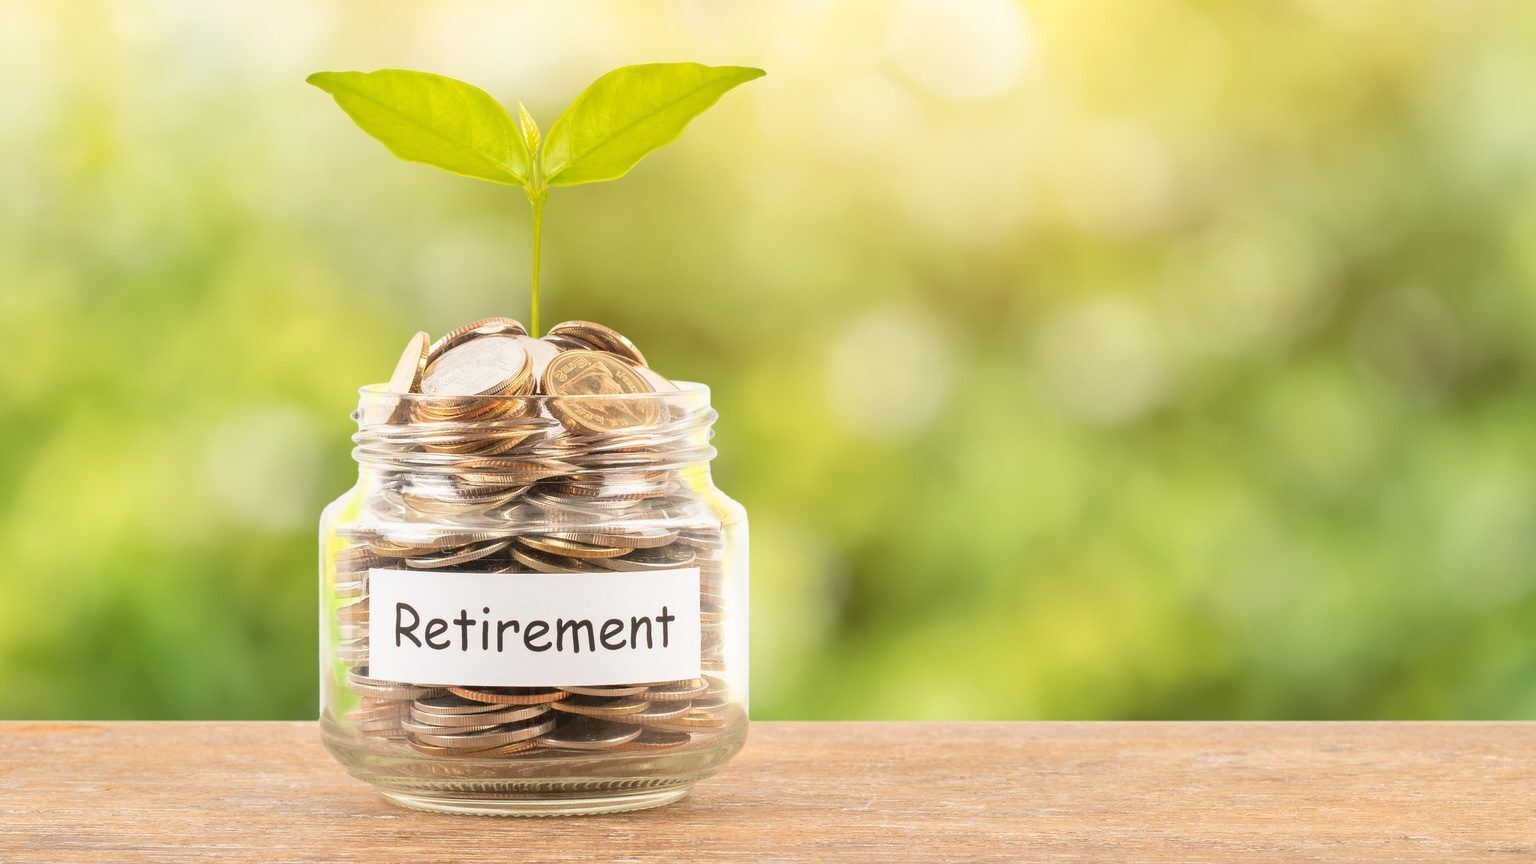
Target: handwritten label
533	629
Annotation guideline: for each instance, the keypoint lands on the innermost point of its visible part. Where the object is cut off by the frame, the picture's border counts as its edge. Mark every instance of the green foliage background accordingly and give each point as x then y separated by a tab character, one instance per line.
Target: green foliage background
1092	359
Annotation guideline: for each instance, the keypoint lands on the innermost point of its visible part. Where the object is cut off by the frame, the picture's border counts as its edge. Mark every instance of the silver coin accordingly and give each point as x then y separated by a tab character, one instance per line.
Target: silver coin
487	365
458	556
659	712
589	733
483	740
484	719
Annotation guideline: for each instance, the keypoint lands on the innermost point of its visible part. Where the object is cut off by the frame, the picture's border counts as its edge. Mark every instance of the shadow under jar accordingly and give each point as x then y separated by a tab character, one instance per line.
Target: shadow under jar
526	612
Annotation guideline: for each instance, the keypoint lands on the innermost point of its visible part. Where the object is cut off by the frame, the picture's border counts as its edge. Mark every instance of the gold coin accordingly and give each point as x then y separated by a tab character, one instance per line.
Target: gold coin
589	733
541	562
493	326
413	362
451	703
617	690
570	548
459	724
673	691
599	706
595	383
711	704
509	695
391	407
486	366
599	338
506	472
692	721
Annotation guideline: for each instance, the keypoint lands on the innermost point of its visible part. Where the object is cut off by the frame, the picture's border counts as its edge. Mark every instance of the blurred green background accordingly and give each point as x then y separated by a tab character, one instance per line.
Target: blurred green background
1074	360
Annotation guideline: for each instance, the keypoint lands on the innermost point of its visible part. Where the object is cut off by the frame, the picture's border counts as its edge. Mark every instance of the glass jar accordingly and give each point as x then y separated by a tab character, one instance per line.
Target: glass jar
526	612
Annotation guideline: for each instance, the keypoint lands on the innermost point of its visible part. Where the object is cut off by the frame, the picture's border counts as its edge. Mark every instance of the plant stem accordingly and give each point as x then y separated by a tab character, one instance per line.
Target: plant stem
538	235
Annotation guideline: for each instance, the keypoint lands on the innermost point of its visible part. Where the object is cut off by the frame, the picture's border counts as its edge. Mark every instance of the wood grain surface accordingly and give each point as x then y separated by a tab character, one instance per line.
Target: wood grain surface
889	792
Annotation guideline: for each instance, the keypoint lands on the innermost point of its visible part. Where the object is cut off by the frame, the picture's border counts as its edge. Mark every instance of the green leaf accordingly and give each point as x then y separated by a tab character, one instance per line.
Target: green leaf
530	129
438	121
628	113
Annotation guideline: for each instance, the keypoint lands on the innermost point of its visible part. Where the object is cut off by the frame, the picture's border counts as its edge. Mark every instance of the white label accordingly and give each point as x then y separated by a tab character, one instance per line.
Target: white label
533	629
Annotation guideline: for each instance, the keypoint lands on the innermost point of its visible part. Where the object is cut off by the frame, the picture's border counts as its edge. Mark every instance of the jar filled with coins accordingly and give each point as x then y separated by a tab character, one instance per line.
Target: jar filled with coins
534	601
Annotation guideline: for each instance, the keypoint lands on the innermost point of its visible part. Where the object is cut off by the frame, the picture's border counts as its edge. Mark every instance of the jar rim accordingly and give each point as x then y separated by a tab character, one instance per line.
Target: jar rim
685	389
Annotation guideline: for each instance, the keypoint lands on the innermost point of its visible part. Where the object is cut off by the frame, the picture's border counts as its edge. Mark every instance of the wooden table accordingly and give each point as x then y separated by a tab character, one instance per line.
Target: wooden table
887	792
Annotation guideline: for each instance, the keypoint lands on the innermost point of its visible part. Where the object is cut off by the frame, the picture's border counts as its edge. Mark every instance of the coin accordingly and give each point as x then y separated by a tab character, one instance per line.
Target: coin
356	559
659	712
452	703
380	728
353	613
421	728
656	739
693	720
461	555
614	690
599	706
540	353
471	753
405	379
494	326
509	695
711	704
599	338
592	380
486	366
483	718
570	548
540	562
483	740
673	691
666	558
506	750
620	538
413	362
361	684
374	710
589	733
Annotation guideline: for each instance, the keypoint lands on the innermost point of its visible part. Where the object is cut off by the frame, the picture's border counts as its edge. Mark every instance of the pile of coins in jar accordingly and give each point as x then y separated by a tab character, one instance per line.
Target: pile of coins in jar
486	458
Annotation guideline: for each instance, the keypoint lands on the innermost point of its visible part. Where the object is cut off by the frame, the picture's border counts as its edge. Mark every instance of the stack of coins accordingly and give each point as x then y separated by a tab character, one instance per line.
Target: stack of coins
474	462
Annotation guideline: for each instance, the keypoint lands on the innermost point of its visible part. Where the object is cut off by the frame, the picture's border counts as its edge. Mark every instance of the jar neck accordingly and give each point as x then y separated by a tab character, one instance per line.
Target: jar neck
512	441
